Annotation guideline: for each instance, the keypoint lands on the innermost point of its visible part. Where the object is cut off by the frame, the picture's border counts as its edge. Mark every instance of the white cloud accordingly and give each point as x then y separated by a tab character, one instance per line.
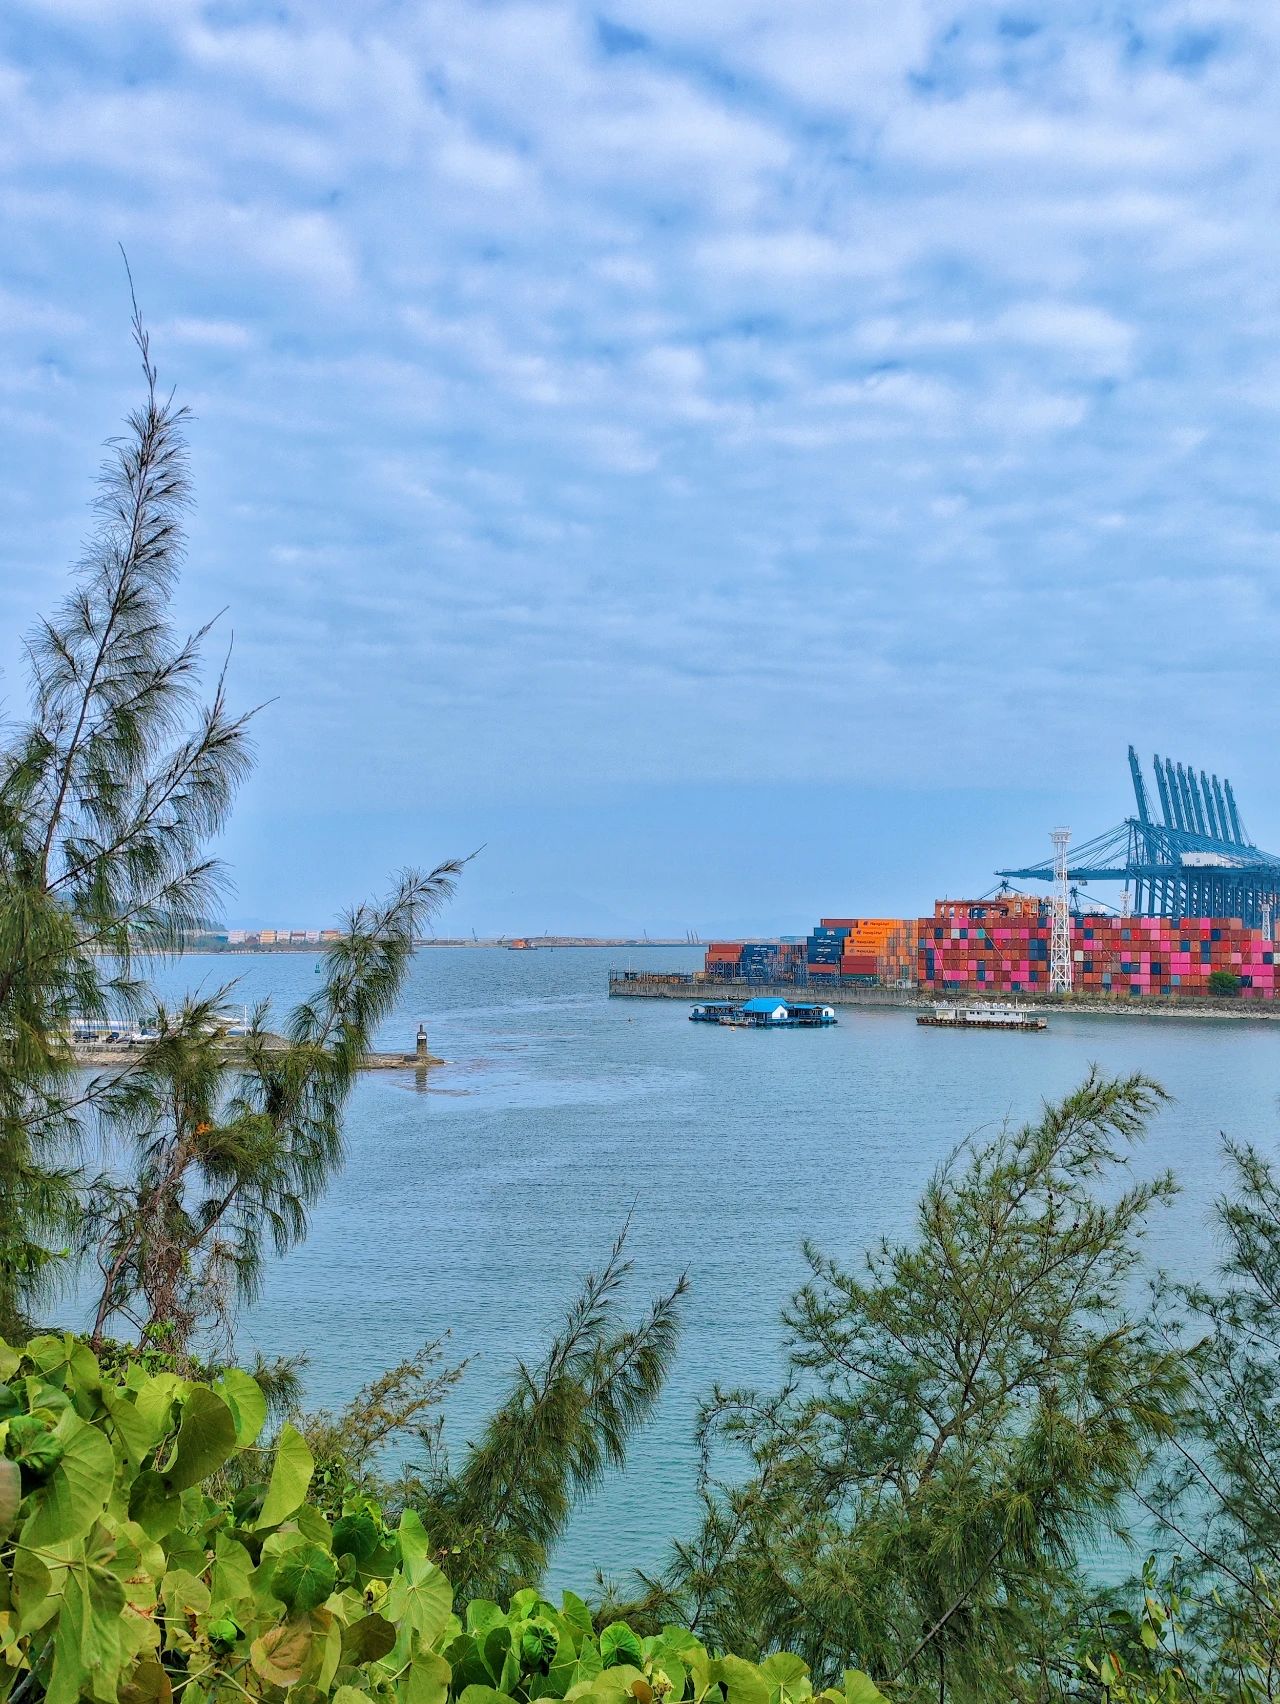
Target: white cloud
539	364
207	333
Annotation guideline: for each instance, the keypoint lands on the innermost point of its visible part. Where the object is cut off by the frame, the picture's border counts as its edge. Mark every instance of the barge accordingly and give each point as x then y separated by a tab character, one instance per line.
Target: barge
986	1015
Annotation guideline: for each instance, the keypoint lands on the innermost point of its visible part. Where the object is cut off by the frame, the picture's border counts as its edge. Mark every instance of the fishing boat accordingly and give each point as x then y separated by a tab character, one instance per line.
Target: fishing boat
764	1013
982	1015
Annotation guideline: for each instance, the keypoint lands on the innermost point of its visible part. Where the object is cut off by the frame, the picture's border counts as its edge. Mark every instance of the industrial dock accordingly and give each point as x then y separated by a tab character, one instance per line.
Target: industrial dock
1192	932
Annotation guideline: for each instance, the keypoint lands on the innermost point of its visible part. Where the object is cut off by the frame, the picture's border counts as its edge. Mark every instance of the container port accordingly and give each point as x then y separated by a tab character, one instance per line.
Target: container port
1194	922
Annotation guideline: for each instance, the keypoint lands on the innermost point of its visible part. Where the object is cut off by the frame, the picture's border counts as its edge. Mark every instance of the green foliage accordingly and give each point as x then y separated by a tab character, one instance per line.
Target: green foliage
123	1580
1217	1497
232	1148
1224	982
962	1413
110	793
566	1419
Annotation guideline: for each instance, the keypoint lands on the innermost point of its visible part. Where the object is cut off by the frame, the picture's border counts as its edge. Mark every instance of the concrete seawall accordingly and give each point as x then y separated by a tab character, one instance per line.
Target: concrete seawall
679	987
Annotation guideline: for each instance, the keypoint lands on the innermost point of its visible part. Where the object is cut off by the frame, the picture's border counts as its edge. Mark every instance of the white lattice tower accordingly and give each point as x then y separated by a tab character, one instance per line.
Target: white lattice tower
1268	917
1061	967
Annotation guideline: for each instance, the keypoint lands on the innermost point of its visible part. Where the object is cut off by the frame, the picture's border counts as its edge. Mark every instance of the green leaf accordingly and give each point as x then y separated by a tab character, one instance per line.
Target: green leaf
618	1644
368	1639
782	1669
304	1577
10	1495
290	1475
139	1432
538	1644
32	1585
155	1399
156	1508
576	1612
428	1679
484	1695
32	1443
206	1437
77	1490
355	1535
859	1688
482	1615
743	1680
88	1648
243	1396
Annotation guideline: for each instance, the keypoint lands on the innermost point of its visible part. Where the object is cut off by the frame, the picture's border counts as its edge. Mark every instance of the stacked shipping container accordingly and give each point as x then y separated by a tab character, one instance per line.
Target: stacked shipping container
756	961
974	948
1001	946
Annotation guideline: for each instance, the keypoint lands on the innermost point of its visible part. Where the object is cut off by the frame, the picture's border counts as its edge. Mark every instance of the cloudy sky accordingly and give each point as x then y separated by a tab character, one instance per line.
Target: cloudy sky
732	459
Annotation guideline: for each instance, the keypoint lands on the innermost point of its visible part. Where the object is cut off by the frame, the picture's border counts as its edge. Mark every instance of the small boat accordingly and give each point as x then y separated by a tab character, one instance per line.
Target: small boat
764	1013
982	1015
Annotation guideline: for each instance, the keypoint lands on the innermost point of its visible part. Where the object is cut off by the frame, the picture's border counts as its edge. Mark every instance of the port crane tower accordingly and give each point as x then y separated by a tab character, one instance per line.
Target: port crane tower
1194	860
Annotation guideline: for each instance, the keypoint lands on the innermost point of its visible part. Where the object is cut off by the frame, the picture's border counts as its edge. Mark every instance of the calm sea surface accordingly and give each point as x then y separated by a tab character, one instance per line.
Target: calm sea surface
473	1206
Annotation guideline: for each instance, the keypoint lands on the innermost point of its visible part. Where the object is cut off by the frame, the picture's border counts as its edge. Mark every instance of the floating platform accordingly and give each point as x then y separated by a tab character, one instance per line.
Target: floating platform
764	1013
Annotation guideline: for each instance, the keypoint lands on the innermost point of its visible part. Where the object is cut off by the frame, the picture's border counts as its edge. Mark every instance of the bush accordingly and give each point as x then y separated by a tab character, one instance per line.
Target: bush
141	1555
1224	982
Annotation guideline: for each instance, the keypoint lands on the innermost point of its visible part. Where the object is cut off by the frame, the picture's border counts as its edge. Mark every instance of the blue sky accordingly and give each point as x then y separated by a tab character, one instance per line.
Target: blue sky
734	460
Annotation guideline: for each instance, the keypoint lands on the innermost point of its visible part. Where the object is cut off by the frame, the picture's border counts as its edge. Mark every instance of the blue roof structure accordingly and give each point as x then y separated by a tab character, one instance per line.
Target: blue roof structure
762	1005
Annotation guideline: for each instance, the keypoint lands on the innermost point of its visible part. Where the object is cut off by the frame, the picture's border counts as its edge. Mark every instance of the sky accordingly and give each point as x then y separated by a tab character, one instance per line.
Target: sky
731	461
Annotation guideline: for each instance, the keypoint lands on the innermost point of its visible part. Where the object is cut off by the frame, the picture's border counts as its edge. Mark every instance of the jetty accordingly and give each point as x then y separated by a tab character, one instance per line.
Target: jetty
100	1046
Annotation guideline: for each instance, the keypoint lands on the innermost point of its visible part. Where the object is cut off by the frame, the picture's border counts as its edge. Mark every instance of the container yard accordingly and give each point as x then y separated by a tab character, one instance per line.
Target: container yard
1194	922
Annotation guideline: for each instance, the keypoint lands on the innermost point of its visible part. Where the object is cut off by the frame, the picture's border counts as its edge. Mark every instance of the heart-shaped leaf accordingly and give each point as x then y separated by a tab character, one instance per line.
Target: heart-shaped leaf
206	1437
153	1504
290	1475
76	1492
281	1655
304	1577
366	1640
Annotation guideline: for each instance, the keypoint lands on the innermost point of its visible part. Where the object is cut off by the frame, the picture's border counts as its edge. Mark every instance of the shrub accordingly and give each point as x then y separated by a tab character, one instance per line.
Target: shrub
150	1546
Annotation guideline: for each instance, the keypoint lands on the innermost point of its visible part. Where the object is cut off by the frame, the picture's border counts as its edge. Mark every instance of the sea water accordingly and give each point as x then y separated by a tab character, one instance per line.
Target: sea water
473	1201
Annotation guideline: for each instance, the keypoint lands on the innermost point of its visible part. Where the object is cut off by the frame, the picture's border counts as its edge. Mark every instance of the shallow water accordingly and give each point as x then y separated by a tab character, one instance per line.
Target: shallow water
472	1205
